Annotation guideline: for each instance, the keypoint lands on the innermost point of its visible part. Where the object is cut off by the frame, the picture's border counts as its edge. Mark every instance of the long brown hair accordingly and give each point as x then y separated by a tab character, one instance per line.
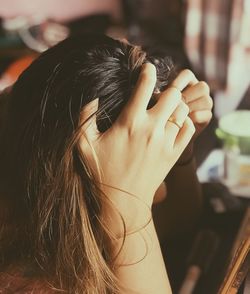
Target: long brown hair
52	202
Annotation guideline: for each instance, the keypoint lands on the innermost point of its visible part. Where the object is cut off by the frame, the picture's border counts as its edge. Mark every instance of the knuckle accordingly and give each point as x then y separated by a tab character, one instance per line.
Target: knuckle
210	102
148	66
175	93
190	125
204	86
148	73
210	115
132	126
172	95
185	107
148	78
155	136
188	72
196	117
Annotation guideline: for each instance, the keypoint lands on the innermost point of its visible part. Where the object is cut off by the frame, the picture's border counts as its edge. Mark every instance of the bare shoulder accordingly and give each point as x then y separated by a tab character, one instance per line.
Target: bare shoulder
14	281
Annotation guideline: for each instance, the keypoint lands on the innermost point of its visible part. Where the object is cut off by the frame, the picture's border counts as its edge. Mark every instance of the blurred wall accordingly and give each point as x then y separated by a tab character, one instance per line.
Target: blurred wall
59	10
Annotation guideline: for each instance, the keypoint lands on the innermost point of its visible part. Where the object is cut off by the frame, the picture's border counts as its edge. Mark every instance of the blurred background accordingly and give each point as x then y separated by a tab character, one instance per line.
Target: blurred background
211	37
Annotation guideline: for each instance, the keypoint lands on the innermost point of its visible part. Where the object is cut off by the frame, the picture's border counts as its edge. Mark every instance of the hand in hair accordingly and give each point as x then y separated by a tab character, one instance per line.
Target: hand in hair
60	166
138	151
196	95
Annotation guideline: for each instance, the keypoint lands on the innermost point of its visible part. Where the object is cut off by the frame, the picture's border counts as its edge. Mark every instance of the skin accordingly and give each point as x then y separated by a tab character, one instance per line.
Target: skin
134	157
179	211
197	97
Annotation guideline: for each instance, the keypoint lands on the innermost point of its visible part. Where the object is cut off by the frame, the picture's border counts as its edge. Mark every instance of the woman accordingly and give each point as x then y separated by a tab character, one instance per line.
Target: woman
91	130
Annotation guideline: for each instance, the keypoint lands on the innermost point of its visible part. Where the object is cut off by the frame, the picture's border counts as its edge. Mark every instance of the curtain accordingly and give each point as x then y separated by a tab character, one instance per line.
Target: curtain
217	42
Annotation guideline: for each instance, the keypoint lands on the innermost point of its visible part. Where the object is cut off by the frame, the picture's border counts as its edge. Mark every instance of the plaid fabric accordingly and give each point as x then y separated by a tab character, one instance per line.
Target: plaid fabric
217	41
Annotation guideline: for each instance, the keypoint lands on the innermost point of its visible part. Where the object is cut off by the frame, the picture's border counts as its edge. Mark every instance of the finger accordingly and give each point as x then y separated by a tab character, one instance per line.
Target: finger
88	119
200	117
196	91
202	103
179	115
176	121
185	135
185	78
143	91
167	102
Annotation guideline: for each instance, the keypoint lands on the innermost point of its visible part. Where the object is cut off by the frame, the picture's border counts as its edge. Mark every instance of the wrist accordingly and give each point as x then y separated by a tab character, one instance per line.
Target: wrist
125	214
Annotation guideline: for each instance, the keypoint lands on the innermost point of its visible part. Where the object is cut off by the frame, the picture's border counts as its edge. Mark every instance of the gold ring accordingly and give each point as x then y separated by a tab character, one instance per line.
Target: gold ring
175	121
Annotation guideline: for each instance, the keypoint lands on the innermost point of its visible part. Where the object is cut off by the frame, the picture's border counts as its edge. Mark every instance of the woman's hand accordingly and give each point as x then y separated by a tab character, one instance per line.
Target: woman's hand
138	151
197	97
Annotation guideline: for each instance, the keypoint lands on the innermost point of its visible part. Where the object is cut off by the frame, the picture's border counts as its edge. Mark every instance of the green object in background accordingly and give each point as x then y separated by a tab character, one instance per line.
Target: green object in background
234	131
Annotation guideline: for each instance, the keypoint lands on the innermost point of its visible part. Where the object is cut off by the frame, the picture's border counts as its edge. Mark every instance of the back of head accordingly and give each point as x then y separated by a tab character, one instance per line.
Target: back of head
52	197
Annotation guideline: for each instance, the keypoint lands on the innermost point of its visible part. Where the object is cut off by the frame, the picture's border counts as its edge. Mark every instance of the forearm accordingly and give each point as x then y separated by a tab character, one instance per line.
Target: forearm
139	266
138	262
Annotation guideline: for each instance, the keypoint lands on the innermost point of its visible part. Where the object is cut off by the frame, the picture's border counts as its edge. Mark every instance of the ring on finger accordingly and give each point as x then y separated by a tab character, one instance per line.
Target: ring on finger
184	98
175	121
